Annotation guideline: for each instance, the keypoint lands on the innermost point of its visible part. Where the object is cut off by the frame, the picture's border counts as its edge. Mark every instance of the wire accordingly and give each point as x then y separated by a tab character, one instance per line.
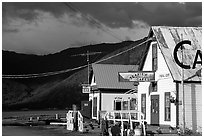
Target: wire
67	70
92	21
41	74
123	51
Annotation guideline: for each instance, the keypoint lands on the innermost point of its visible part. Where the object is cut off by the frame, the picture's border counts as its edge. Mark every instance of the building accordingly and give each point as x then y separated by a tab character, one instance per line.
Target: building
173	96
162	100
107	93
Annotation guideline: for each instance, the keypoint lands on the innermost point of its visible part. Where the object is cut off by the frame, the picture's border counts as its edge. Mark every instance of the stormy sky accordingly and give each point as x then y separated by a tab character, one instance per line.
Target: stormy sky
49	27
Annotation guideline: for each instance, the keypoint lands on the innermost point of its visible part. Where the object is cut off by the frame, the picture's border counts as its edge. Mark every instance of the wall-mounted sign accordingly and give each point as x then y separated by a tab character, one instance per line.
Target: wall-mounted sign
141	76
164	76
196	61
86	88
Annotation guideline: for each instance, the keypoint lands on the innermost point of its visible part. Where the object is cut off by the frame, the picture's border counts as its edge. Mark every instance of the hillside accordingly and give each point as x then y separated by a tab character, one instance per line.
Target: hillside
57	91
27	64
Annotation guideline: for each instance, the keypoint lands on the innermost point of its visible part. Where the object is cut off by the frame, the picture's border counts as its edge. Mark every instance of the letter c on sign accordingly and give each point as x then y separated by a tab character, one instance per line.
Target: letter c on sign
175	54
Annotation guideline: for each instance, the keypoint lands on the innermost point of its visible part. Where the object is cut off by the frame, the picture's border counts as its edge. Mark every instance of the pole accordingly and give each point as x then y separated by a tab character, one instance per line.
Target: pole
88	65
182	86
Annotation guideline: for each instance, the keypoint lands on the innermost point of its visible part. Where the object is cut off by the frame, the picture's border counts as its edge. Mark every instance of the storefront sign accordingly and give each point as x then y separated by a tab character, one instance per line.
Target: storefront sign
196	61
144	76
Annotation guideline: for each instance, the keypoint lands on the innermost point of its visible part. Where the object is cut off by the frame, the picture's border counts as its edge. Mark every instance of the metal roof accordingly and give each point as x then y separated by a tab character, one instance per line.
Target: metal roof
168	37
106	75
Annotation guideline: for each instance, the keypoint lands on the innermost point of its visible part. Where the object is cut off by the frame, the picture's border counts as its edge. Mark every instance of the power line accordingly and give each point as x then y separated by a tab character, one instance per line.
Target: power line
122	51
92	21
41	74
67	70
85	54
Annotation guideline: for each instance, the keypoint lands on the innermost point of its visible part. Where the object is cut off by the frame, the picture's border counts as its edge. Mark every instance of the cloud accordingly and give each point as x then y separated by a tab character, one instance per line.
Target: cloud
20	8
10	30
111	14
196	21
121	14
47	27
194	8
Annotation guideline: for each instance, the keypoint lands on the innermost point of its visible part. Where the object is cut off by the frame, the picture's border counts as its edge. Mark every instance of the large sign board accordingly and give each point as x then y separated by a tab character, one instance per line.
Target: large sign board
196	59
86	88
140	76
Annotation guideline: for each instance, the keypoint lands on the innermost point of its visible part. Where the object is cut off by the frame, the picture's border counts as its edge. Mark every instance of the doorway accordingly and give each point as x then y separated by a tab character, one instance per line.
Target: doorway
154	109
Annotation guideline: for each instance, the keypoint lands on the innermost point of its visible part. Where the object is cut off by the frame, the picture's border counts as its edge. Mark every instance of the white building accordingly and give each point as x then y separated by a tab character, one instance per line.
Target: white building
163	58
107	93
161	100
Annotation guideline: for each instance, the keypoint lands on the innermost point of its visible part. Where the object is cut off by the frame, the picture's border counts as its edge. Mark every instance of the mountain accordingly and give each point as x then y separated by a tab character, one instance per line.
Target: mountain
62	90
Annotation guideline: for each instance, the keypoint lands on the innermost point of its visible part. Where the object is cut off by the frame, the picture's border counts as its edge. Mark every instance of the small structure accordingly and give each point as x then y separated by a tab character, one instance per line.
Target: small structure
177	73
108	93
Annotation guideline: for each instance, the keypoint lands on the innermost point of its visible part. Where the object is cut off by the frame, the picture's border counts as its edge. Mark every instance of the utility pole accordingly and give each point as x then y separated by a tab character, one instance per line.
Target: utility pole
88	65
182	86
87	54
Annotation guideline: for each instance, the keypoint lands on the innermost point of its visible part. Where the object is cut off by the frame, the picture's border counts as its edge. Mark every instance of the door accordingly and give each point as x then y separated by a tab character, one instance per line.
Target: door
154	109
94	107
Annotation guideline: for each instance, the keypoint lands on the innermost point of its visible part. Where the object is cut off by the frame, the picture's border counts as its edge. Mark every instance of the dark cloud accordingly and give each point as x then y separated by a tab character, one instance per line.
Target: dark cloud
170	14
112	14
10	30
15	8
196	21
29	11
194	8
121	14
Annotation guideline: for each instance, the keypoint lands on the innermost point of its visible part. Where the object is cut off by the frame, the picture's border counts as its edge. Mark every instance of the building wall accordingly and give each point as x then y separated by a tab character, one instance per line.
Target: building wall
108	100
193	106
164	84
97	95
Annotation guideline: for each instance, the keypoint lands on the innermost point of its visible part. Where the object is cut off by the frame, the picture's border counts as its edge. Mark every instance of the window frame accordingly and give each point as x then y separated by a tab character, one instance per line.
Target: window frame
154	57
167	109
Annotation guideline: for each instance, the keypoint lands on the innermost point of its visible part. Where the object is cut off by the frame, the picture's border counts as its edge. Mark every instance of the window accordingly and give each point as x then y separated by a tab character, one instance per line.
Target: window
94	80
154	57
117	105
125	105
167	106
143	104
153	87
133	104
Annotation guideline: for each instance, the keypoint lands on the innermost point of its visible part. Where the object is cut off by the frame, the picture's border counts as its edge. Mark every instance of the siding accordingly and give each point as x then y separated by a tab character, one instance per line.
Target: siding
193	106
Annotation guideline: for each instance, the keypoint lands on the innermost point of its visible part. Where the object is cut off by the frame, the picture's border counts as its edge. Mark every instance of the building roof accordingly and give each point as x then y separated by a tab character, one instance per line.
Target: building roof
106	75
168	37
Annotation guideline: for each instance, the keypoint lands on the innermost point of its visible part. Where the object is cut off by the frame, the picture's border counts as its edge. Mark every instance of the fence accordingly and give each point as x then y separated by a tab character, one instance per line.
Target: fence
129	117
74	121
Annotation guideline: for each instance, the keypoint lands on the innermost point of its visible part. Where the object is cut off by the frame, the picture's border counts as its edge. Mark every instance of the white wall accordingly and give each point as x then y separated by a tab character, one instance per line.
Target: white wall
92	84
165	84
108	100
96	95
193	106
